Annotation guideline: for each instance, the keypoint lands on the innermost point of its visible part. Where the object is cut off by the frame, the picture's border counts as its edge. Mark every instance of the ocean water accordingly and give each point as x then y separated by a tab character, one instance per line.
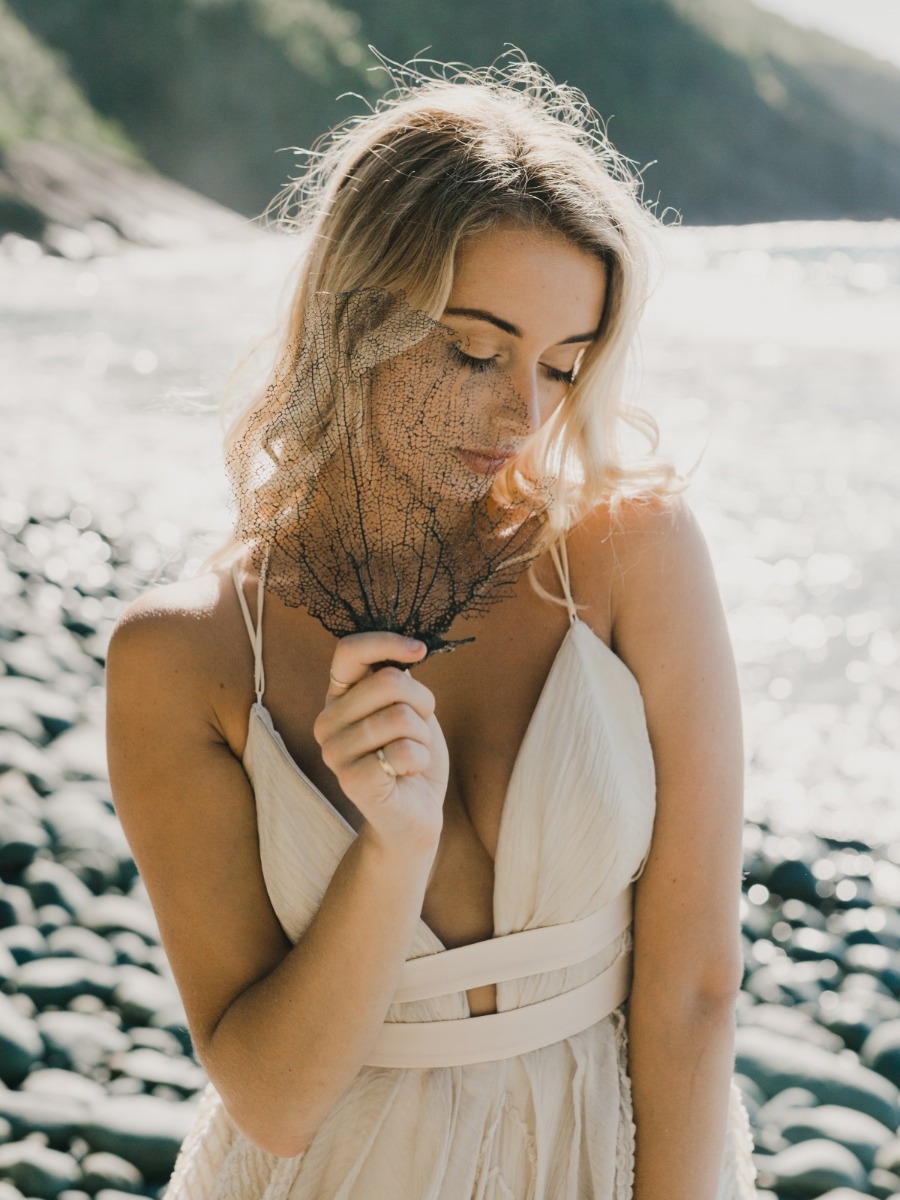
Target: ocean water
770	358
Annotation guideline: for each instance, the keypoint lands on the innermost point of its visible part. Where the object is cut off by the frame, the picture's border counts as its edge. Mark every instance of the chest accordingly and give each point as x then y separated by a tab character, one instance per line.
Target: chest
486	693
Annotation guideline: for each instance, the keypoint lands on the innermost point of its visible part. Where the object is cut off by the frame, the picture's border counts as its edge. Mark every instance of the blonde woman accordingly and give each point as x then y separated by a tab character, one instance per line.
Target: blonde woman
468	929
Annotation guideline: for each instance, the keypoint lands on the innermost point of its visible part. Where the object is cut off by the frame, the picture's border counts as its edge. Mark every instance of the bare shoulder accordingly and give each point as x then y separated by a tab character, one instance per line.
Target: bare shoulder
666	618
172	636
627	555
182	612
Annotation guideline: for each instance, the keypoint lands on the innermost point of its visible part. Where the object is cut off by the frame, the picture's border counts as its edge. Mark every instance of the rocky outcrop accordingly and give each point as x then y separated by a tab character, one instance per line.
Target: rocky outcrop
78	202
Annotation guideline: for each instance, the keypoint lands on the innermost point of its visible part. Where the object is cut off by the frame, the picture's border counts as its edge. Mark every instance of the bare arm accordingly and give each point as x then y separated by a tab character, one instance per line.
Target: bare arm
670	629
281	1030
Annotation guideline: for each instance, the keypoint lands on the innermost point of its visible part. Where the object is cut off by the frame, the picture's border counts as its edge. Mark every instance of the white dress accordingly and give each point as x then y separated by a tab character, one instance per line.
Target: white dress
551	1123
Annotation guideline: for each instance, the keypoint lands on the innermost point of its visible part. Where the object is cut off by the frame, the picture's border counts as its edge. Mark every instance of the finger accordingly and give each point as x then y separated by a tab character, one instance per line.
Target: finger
356	653
354	742
367	774
386	686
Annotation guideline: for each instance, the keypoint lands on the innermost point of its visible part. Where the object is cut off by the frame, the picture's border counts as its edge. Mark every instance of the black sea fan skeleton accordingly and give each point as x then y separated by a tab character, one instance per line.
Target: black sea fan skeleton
347	483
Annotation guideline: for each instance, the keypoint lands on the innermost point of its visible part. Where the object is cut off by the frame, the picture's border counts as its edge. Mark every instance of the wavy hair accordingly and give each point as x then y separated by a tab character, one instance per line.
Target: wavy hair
386	199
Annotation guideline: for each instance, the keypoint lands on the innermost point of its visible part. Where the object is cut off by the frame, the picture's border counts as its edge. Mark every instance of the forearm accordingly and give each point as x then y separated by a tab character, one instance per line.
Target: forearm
681	1063
288	1047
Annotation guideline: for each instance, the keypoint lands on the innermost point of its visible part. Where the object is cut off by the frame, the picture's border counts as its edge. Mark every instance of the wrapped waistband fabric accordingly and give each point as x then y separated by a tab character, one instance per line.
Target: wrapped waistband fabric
516	1031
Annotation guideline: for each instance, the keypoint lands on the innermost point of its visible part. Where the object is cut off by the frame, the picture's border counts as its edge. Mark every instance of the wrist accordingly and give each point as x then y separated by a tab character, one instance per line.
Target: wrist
413	855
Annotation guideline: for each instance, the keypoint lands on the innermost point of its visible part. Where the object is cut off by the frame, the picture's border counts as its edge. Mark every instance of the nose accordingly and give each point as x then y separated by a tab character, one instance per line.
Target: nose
527	407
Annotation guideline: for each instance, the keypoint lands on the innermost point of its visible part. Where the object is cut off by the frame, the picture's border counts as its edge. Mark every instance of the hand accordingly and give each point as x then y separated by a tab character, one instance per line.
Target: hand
388	710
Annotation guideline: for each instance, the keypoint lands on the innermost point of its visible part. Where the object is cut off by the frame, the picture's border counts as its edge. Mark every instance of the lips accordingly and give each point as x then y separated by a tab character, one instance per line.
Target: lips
485	462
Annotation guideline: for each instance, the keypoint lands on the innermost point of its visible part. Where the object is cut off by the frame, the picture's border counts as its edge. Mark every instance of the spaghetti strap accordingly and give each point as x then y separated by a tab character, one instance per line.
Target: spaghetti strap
561	562
259	674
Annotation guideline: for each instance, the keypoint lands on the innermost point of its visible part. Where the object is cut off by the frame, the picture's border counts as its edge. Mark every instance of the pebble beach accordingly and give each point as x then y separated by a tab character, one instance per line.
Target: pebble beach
770	354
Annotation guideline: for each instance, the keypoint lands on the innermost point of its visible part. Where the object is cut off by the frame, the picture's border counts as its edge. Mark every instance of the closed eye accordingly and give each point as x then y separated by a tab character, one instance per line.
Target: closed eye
488	364
474	364
561	376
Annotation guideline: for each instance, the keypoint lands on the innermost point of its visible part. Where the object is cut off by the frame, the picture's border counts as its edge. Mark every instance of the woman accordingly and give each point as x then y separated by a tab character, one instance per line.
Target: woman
336	868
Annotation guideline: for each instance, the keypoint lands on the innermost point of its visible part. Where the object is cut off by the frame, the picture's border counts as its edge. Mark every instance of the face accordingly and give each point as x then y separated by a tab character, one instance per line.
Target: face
523	308
525	304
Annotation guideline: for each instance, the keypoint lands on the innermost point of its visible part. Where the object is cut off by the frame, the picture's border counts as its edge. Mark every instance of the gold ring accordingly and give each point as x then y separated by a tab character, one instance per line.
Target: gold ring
385	765
337	683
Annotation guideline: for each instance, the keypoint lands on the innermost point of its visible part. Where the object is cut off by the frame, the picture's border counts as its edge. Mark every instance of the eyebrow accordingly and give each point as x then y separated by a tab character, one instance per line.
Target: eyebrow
480	314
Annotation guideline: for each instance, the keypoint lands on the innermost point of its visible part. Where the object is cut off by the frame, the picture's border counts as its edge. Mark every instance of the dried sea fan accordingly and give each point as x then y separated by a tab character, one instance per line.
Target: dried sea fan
347	483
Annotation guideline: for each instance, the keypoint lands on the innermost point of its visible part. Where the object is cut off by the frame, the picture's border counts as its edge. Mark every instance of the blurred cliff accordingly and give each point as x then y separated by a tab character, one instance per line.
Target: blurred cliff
740	115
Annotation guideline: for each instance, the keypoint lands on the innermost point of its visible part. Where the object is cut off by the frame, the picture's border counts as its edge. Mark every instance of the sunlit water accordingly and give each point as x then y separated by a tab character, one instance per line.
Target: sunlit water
772	350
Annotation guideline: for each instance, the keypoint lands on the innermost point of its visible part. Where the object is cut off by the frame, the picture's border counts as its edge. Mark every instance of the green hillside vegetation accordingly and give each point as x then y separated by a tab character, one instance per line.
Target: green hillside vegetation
38	99
211	90
743	116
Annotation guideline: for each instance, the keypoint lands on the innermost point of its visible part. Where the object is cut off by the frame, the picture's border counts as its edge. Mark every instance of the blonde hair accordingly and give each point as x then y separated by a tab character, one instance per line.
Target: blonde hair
387	198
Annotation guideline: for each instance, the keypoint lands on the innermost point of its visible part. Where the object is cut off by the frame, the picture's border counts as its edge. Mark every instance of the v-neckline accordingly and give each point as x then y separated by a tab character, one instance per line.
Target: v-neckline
268	724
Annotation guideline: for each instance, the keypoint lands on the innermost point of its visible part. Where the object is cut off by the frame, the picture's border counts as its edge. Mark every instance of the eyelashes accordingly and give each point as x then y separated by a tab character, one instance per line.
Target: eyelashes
479	365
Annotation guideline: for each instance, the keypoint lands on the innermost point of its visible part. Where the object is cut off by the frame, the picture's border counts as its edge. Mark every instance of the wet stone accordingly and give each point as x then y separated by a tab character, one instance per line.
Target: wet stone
55	981
883	1183
783	981
15	906
66	1085
153	1067
53	711
144	1130
131	949
888	1156
77	1040
38	1171
73	941
112	914
8	964
843	1194
801	915
20	1043
80	753
753	1095
851	1021
24	942
869	989
49	882
21	841
857	1131
876	960
777	1062
18	796
792	1022
792	879
102	1169
777	1110
19	720
806	1170
55	1116
145	1036
93	1004
141	994
27	656
52	917
881	1050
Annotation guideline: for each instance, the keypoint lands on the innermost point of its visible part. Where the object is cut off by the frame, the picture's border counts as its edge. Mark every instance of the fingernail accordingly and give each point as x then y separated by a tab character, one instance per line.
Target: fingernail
415	644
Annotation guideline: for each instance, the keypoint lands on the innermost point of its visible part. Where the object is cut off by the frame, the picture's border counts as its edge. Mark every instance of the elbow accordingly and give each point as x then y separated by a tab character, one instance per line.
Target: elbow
272	1138
720	986
703	991
257	1122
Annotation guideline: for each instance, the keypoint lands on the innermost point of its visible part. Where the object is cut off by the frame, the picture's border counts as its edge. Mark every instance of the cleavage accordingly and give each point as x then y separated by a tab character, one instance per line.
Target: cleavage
462	883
